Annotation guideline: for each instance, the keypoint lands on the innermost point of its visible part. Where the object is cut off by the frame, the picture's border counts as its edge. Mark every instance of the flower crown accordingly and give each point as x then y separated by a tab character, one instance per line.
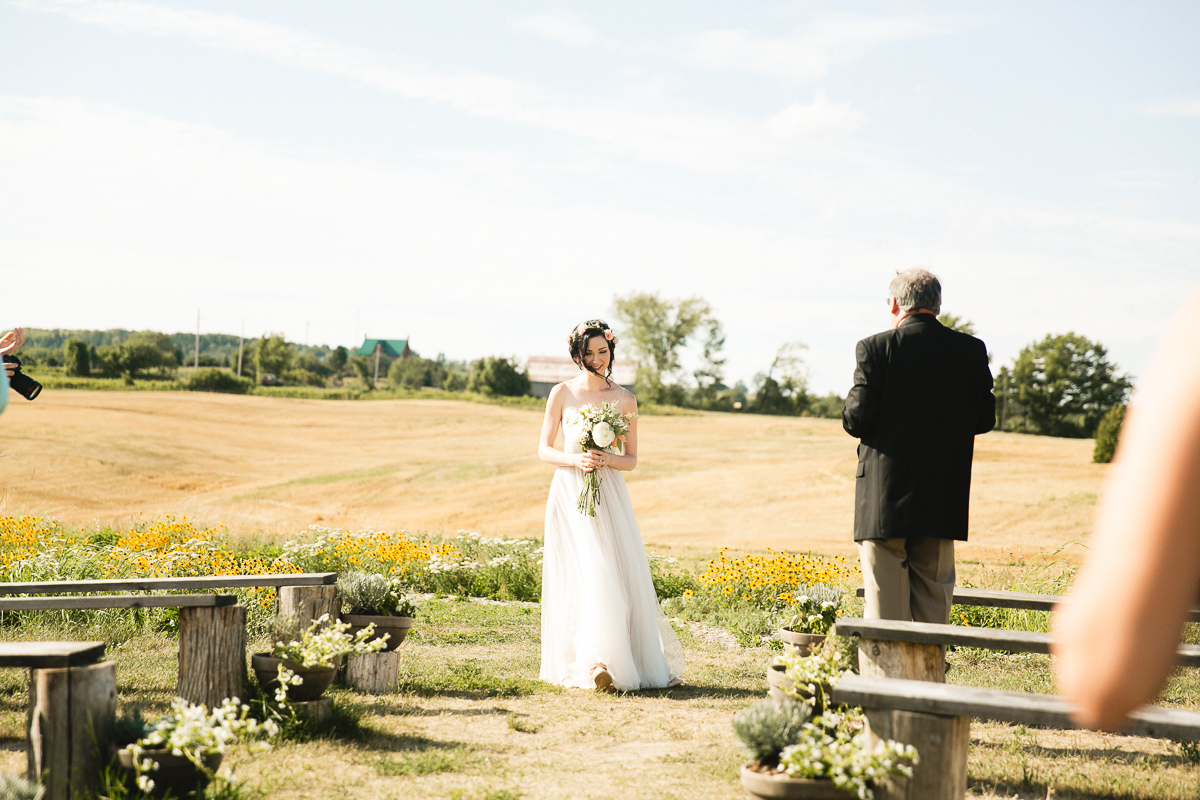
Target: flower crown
600	326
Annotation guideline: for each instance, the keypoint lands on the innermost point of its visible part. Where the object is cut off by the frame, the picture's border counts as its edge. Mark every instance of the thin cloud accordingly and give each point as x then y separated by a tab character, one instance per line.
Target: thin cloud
562	28
697	140
811	52
1171	107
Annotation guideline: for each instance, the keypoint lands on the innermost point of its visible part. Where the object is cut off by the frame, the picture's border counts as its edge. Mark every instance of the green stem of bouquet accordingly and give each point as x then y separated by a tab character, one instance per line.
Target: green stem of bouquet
589	499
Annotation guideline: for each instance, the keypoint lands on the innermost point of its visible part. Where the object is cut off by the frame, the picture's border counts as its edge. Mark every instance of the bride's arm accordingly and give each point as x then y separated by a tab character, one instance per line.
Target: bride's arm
628	459
550	424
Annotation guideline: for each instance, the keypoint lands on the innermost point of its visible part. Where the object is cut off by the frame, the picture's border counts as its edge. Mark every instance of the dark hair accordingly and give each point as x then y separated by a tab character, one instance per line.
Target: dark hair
577	344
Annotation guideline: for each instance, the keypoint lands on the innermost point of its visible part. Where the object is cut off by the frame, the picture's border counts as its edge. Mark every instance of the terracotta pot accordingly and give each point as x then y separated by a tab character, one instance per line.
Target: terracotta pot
397	627
761	784
175	773
316	679
806	643
779	683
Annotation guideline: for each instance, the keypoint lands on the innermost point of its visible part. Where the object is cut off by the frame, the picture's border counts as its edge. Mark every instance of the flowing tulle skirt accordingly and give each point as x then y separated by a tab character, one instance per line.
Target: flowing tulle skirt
598	601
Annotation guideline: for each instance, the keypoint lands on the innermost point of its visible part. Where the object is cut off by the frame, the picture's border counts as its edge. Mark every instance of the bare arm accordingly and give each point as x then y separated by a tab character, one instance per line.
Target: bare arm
1118	630
550	424
627	460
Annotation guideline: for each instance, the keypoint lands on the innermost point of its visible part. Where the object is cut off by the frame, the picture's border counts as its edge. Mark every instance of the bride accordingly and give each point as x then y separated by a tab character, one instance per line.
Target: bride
602	627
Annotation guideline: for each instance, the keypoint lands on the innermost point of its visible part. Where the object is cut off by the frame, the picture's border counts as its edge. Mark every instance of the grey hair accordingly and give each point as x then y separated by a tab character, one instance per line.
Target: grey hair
916	288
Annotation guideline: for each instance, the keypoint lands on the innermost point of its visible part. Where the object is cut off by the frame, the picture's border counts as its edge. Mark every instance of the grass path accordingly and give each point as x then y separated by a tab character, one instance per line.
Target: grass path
470	721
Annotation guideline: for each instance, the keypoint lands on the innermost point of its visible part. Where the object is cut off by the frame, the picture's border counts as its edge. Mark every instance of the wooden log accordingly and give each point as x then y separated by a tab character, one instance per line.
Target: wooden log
70	741
212	654
314	712
374	673
167	584
941	743
116	601
298	606
916	661
50	655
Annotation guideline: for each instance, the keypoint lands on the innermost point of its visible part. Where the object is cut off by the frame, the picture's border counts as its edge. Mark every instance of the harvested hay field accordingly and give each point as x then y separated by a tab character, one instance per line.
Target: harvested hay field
273	465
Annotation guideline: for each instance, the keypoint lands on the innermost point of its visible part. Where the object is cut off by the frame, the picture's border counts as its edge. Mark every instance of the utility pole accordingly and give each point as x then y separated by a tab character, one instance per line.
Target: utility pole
378	349
197	364
241	339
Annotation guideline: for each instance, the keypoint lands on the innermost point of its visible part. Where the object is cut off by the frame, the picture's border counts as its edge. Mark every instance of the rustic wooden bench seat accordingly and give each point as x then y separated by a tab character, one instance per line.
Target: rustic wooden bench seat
99	601
935	718
1025	601
915	650
49	655
171	584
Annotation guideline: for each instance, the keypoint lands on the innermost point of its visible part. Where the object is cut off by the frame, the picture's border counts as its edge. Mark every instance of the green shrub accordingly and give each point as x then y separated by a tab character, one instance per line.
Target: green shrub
766	728
1107	435
218	380
78	358
498	376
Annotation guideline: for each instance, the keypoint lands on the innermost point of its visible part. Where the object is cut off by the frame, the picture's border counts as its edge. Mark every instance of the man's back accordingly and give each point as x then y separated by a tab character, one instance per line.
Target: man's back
922	392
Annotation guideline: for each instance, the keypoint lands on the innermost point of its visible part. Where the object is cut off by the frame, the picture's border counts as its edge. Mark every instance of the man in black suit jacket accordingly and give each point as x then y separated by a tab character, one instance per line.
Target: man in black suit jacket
921	393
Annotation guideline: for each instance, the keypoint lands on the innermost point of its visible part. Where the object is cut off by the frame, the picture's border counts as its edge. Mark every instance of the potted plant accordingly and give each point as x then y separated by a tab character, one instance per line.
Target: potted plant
806	678
374	599
813	614
828	757
181	751
303	668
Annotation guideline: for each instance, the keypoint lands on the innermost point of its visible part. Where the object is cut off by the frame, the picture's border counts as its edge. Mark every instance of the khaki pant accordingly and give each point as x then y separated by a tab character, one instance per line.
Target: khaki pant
908	579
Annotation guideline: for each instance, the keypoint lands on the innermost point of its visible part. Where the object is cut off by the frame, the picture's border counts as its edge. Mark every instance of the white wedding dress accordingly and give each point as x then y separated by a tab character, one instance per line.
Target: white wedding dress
598	600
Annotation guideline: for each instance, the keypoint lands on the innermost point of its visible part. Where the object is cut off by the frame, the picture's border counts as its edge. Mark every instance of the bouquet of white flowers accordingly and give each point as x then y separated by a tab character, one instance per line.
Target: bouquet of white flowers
595	426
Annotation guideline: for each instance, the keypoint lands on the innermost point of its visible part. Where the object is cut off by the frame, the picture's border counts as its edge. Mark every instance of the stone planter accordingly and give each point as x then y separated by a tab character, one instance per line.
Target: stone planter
397	627
779	683
806	643
175	774
316	679
766	785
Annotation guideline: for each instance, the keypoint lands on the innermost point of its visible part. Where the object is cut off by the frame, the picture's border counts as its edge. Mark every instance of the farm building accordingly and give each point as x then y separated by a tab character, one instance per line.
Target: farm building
547	371
388	348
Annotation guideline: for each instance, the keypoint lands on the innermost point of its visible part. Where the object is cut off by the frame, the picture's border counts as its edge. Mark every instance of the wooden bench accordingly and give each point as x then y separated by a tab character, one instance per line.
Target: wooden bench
212	628
72	697
935	718
1023	601
916	650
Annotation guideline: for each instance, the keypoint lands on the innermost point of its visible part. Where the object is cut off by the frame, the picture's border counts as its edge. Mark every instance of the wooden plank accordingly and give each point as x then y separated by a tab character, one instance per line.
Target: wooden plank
1026	601
1049	711
168	584
50	655
116	601
963	636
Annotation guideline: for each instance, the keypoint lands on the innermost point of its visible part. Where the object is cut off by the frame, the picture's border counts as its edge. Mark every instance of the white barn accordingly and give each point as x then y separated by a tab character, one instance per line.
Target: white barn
547	371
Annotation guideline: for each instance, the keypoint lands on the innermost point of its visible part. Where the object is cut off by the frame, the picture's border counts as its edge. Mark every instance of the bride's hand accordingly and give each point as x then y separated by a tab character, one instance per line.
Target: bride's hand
592	460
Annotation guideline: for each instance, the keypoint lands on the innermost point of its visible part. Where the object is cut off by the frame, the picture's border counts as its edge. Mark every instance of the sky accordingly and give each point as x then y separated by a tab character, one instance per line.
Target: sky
479	177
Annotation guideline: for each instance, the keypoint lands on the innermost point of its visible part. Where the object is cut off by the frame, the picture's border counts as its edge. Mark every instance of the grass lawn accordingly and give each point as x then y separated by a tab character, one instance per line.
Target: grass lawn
470	720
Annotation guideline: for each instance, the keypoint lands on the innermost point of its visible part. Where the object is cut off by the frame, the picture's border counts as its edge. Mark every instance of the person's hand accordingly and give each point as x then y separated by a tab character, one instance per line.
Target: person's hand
10	368
11	341
592	460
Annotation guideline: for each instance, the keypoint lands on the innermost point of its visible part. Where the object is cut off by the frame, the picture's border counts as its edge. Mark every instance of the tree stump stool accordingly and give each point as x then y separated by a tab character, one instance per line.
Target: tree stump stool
212	654
374	673
299	606
69	736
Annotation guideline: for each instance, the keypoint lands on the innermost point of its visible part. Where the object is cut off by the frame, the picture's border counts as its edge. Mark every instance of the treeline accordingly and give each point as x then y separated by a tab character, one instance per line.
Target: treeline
656	333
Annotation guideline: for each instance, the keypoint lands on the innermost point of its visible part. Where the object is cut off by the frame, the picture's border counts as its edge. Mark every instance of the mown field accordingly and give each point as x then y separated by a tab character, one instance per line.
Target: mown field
274	465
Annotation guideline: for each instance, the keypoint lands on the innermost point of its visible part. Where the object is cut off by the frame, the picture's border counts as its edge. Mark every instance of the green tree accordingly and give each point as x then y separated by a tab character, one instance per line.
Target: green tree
364	371
498	376
1065	385
658	329
77	358
784	387
1108	434
337	359
273	355
414	372
959	324
140	352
